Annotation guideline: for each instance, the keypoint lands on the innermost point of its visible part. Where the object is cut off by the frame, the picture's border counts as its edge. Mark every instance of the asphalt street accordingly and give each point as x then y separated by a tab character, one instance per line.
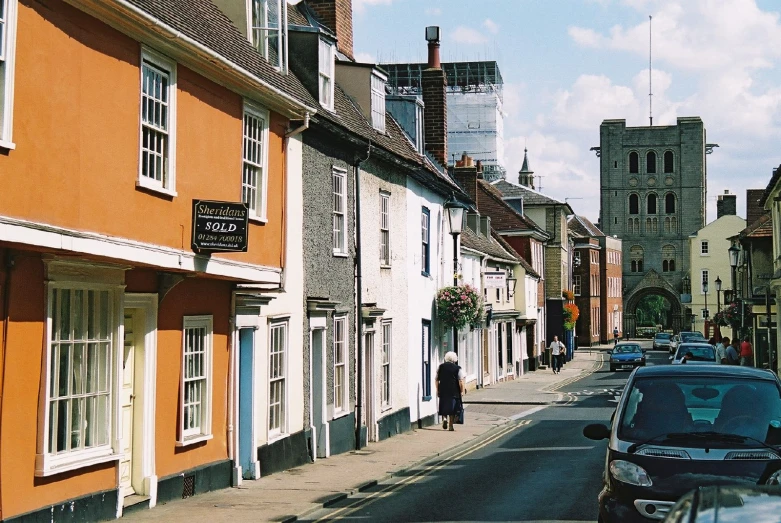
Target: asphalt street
539	467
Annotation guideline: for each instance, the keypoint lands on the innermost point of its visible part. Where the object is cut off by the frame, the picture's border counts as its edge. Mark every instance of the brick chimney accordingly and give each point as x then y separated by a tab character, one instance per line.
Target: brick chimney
753	209
465	172
726	205
434	83
337	15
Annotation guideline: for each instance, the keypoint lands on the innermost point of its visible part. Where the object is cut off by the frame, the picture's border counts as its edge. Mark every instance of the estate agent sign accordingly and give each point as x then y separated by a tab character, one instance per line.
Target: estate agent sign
219	226
495	280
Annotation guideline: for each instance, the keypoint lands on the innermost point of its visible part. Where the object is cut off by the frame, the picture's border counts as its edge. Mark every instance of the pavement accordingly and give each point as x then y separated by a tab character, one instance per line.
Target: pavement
295	493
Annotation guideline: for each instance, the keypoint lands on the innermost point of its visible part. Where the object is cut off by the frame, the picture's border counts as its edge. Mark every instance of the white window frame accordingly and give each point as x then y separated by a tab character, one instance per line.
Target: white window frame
204	430
339	208
378	101
343	405
67	276
704	277
262	25
163	65
704	248
385	247
325	68
8	10
280	377
576	284
255	161
385	365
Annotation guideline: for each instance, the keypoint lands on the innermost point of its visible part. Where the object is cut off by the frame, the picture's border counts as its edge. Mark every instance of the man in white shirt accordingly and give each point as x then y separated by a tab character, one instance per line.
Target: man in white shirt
556	348
721	350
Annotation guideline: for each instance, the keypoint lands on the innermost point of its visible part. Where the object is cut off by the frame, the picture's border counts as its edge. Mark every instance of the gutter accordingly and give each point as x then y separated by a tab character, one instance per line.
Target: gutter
102	9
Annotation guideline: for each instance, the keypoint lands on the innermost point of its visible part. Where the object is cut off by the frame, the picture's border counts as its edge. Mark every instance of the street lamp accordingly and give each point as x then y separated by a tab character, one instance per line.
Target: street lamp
734	254
705	290
718	295
455	218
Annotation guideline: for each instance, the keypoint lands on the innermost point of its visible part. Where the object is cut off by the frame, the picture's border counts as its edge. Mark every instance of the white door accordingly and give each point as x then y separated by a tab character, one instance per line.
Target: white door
127	397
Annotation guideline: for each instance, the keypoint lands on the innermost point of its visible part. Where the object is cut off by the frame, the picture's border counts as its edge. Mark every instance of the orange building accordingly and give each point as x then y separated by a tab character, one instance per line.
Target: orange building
119	343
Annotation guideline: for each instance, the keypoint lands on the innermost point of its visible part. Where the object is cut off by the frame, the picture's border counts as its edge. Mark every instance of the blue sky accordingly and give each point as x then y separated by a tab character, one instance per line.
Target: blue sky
569	64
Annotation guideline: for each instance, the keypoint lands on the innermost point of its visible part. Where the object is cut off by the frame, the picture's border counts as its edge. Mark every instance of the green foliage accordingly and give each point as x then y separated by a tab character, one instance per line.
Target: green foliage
458	306
653	310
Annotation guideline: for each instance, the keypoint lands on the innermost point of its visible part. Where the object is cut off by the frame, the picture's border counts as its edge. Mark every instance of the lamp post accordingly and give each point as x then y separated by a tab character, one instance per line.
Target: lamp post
705	316
734	255
455	218
718	295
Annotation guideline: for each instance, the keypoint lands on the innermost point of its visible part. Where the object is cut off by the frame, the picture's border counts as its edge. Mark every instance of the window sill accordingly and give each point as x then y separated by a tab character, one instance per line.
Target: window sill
383	266
193	440
153	187
340	254
48	465
425	274
426	398
386	408
276	436
8	146
340	414
262	220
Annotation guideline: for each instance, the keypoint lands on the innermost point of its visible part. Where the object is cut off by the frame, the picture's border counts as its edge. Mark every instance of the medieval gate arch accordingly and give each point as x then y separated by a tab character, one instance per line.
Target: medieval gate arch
652	284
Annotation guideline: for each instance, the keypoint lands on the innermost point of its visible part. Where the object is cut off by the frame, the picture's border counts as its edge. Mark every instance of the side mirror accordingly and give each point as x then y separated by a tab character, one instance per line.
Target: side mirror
596	431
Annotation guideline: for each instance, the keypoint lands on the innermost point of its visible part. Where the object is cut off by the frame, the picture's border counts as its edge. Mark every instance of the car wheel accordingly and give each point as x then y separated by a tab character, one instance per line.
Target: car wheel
612	368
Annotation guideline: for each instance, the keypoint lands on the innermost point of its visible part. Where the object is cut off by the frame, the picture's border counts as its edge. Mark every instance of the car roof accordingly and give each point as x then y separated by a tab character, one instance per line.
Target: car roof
663	334
705	370
695	344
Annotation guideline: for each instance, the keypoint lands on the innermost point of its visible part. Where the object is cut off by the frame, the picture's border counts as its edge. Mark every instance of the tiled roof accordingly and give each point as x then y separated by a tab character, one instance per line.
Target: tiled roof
295	16
761	228
503	217
771	185
474	241
204	23
581	226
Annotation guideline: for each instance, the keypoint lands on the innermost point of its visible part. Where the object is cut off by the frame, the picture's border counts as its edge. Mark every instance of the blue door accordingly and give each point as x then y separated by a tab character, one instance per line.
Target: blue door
246	445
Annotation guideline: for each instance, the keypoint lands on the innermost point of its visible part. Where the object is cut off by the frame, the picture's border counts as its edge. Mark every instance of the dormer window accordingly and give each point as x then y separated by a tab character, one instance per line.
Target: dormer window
269	31
326	69
378	101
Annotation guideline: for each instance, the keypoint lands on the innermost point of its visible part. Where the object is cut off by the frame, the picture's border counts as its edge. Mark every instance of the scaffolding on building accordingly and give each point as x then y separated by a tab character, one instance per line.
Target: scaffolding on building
475	121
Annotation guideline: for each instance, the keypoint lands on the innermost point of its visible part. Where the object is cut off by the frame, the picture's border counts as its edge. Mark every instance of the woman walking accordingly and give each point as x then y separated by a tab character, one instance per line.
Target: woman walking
450	387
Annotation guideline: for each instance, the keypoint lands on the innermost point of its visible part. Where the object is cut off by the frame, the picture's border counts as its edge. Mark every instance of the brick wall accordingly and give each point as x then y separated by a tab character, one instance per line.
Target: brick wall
435	113
337	15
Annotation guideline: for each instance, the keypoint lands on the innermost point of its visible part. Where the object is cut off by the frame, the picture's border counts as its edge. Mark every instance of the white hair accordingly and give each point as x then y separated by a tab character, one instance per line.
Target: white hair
451	357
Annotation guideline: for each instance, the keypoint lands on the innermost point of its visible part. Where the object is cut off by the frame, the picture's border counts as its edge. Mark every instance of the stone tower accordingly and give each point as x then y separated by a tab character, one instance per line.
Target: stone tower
526	175
653	184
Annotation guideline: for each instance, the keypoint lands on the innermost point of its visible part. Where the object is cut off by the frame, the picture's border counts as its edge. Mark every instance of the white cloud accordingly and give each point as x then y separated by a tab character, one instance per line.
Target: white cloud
359	6
491	26
467	35
365	58
433	11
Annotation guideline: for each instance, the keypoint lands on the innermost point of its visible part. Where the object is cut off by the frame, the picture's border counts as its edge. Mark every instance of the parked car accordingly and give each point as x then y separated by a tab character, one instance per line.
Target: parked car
725	504
701	353
662	341
682	425
626	355
691	336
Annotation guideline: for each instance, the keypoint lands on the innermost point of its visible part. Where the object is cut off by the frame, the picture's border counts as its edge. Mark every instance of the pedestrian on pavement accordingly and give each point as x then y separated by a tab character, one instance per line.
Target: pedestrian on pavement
556	348
721	350
746	353
615	335
733	356
450	386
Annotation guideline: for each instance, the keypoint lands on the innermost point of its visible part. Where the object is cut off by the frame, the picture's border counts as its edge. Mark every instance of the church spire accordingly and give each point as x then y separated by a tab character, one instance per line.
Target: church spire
525	175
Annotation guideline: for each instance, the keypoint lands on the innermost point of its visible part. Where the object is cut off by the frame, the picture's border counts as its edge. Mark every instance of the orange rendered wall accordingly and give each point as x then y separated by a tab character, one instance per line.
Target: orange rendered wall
21	491
76	129
190	298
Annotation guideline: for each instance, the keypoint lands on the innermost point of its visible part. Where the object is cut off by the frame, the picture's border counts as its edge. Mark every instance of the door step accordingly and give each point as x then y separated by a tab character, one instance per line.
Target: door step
134	502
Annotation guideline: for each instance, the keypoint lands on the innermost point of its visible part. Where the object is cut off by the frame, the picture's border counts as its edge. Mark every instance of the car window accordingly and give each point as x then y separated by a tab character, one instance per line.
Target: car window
696	353
663	336
627	349
661	405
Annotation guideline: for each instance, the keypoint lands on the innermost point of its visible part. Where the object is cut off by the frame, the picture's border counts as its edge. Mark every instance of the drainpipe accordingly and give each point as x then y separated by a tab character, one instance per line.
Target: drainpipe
359	297
9	263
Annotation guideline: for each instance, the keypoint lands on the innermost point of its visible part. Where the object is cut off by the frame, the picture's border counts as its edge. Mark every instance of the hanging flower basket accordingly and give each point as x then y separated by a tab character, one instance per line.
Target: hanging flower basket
459	306
568	295
729	316
570	313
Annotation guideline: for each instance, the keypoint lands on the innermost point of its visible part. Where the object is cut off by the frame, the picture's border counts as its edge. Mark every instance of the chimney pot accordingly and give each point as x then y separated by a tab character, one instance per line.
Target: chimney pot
432	37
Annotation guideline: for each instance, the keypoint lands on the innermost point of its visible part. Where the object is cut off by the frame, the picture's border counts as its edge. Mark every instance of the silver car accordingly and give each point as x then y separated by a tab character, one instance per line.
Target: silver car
695	352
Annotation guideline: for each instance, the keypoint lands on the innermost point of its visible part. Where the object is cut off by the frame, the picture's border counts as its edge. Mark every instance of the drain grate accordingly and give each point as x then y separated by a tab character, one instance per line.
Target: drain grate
188	490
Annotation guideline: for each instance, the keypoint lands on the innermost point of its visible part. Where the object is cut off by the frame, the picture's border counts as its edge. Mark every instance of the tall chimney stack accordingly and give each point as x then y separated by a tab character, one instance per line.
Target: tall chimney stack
726	205
434	85
337	15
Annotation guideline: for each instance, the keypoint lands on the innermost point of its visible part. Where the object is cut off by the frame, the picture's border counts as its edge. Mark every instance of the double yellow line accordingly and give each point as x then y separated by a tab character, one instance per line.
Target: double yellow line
363	502
570	399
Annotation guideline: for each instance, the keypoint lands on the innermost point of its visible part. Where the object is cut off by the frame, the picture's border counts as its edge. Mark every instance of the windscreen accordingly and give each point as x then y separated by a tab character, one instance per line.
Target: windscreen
661	405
